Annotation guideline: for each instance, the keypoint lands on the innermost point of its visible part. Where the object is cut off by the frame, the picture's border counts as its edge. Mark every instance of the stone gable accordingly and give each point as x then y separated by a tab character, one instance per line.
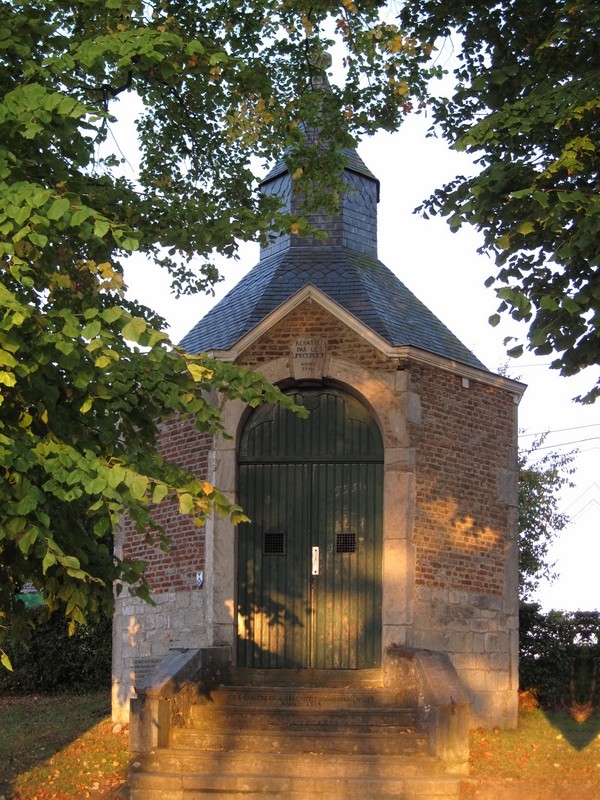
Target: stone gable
309	319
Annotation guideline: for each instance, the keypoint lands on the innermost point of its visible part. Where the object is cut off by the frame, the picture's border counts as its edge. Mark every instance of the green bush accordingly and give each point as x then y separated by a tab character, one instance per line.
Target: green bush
559	655
53	661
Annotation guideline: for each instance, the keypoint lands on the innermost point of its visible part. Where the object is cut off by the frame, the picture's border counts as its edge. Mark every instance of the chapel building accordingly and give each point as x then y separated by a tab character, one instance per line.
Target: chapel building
387	517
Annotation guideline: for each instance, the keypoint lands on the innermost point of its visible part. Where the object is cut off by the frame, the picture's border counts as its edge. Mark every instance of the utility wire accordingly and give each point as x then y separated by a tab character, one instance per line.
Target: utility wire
591	503
561	430
568	444
585	491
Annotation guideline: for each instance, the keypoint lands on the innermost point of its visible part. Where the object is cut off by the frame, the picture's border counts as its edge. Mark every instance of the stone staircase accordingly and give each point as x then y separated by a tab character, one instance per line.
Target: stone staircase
353	738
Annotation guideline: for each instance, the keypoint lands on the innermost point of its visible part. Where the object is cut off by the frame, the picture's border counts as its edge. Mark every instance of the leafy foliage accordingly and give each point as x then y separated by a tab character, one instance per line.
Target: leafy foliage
53	661
540	482
87	375
526	105
560	655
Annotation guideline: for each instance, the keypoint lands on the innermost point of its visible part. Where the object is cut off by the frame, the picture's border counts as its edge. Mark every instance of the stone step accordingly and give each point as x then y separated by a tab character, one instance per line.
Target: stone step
297	765
178	786
295	743
225	718
342	678
396	742
306	697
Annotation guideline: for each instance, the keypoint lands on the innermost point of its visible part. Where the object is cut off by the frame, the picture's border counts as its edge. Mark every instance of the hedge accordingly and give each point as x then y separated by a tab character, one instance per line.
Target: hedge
559	657
53	661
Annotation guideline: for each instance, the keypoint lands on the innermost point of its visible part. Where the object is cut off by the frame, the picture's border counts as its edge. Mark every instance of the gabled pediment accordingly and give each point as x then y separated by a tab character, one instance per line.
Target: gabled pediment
359	285
308	294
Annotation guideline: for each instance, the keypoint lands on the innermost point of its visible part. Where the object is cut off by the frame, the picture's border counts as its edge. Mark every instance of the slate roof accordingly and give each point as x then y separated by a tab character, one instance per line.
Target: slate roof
360	284
353	162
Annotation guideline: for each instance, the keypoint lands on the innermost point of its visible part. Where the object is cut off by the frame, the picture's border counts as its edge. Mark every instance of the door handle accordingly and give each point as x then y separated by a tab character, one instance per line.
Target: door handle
315	561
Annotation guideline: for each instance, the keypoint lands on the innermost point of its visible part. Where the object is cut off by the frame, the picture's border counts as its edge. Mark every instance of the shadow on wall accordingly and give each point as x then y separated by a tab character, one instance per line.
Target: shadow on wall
344	634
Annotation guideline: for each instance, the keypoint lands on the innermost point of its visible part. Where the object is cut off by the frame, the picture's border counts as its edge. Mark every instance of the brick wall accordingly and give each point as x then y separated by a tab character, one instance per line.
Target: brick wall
183	444
464	441
466	578
309	319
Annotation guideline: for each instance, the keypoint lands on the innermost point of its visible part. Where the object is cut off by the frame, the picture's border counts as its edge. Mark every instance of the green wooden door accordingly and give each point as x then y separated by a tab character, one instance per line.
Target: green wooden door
309	562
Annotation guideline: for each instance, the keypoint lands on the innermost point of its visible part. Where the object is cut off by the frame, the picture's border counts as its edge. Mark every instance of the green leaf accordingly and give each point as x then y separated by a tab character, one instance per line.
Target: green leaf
521	193
7	378
139	487
7	360
115	476
48	561
133	329
80	216
5	661
58	209
102	362
101	228
92	329
112	314
526	227
97	485
186	503
195	48
65	347
38	239
26	505
572	306
28	539
159	492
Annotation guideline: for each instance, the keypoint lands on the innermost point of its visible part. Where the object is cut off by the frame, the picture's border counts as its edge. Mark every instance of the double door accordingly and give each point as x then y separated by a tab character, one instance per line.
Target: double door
309	562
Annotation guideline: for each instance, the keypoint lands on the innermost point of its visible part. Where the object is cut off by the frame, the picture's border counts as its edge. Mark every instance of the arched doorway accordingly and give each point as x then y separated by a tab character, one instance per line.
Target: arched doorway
310	561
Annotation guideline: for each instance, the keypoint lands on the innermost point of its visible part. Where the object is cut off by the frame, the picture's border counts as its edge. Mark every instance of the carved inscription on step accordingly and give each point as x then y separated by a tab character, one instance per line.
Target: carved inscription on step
307	358
303	700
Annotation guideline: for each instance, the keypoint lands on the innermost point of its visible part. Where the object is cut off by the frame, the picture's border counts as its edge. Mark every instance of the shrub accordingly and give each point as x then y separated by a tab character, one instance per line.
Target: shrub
559	655
53	661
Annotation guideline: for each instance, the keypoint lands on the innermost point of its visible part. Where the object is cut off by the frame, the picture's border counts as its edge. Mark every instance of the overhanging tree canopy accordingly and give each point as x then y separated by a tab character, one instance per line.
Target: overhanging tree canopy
85	374
526	105
541	479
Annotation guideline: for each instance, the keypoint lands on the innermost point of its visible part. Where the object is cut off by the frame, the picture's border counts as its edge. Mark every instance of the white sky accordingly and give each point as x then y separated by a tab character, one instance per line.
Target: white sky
445	272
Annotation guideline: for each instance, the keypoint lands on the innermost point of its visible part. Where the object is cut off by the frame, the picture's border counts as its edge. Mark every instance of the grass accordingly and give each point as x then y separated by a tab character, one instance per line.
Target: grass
66	748
549	756
60	747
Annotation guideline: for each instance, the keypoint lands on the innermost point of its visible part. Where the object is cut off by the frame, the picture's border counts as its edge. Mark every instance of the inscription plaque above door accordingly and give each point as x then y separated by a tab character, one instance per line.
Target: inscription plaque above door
307	358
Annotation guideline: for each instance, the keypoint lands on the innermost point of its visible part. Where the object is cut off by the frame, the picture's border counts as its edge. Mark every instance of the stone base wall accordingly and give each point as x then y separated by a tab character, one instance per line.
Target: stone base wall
144	634
481	637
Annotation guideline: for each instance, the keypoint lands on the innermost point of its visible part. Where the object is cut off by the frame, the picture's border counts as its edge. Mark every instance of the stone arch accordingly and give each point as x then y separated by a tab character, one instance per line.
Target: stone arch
385	397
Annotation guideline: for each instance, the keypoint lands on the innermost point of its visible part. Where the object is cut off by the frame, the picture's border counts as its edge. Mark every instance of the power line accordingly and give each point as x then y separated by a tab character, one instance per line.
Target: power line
568	444
527	366
560	430
589	504
587	450
591	487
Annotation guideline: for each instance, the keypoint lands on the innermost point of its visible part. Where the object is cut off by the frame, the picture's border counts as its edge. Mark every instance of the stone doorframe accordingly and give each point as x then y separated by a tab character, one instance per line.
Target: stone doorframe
388	399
